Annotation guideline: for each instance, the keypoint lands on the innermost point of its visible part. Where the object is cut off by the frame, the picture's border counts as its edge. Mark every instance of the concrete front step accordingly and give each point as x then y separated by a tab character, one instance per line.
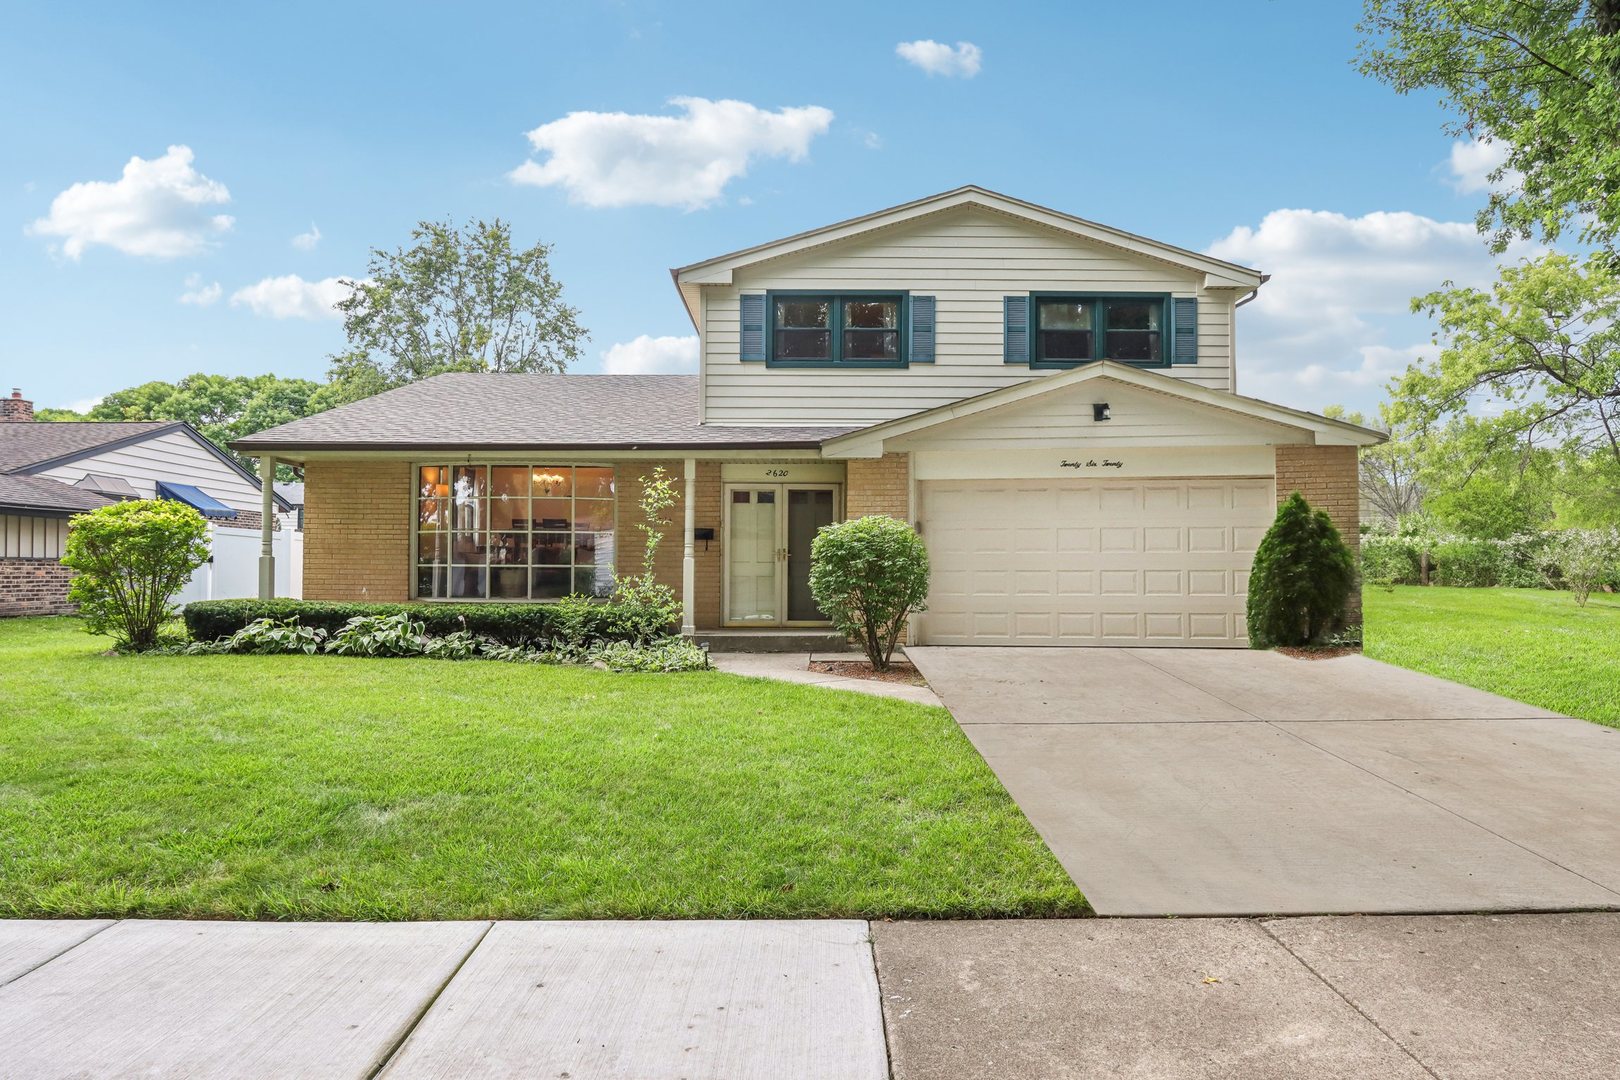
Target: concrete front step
771	641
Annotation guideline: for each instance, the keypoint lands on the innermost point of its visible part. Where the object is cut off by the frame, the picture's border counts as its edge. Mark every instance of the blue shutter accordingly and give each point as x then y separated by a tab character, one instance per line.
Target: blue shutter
751	316
1015	329
1184	330
922	329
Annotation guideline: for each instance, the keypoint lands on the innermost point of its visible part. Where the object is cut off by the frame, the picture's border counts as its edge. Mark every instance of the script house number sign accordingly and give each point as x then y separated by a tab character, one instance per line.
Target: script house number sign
1092	463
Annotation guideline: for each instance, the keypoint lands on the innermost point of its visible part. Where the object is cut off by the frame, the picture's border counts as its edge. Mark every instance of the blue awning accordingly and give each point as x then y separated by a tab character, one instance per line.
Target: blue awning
195	496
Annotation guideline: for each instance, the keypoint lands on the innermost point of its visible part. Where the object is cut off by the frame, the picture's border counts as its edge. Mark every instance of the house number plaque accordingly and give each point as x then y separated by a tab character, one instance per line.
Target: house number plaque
1093	463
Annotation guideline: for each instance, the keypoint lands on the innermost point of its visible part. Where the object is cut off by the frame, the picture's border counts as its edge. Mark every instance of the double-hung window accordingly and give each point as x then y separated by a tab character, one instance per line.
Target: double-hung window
856	329
1079	329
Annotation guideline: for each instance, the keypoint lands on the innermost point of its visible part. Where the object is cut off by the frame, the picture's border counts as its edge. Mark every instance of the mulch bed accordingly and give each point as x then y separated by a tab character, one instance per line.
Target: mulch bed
1318	654
900	672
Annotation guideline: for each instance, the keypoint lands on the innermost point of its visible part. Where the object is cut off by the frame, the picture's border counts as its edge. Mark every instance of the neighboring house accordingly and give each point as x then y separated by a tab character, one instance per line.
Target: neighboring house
50	471
1052	402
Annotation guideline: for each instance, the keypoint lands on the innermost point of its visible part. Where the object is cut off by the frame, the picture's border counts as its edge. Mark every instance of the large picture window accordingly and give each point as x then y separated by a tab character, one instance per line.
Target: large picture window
1079	329
513	532
858	329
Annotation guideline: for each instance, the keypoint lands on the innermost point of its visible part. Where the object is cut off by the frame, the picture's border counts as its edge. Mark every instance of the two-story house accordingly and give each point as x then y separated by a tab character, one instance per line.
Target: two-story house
1052	402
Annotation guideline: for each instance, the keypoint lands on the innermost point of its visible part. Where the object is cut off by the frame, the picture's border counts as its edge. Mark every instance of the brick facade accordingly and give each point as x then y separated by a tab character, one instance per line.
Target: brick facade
878	486
357	538
34	587
1328	477
707	554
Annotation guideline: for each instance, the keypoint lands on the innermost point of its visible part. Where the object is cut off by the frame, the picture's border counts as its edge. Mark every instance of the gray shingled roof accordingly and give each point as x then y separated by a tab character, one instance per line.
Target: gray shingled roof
528	412
26	444
44	494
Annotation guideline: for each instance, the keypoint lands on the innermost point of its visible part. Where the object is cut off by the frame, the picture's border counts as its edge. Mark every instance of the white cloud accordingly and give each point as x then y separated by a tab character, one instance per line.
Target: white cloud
872	141
291	297
159	208
1473	160
652	355
622	159
1340	292
306	241
938	58
199	294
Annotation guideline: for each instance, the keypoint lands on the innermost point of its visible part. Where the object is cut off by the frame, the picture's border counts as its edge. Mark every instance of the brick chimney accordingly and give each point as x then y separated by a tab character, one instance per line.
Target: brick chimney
14	409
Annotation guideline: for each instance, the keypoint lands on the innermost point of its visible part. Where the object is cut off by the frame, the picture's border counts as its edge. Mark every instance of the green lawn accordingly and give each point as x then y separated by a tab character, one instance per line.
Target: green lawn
336	788
1530	644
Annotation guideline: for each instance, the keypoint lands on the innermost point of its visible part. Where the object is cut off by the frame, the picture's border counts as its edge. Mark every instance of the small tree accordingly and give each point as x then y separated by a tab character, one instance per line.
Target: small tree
130	559
868	576
1302	577
649	606
1585	559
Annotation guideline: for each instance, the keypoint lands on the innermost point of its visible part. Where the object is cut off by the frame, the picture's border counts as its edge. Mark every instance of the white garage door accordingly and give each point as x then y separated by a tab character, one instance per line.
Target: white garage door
1071	562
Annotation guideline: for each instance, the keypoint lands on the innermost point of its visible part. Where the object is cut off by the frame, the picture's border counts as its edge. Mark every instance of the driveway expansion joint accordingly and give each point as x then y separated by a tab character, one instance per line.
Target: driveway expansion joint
386	1058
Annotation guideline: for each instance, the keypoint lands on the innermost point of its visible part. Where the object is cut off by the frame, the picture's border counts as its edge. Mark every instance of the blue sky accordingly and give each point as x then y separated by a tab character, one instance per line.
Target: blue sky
1239	128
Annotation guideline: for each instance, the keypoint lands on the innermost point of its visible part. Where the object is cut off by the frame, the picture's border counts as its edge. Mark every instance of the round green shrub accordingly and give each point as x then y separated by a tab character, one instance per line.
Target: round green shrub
868	576
1301	580
129	560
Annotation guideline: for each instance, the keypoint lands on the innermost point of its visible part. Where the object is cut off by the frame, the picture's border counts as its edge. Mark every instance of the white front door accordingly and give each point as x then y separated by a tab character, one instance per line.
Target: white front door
769	529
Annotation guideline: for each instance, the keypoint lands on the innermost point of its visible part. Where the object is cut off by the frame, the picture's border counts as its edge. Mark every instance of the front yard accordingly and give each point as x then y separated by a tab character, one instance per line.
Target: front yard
1530	644
338	788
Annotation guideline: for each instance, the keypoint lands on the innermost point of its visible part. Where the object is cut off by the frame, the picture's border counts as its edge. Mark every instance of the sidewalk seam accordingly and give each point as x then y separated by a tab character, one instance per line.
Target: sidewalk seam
392	1052
58	955
883	1014
1419	1062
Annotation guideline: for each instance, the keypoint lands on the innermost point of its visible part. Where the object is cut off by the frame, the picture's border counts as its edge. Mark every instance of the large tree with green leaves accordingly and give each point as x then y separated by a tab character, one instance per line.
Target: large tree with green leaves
460	298
1539	77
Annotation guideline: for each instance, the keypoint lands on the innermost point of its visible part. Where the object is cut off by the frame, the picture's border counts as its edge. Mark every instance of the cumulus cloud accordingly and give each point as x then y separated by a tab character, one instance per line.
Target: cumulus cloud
306	241
199	294
1340	292
1471	163
647	355
161	209
291	297
938	58
623	159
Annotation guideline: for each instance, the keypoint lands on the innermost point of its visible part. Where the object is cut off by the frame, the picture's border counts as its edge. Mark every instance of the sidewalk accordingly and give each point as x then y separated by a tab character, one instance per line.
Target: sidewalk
1351	997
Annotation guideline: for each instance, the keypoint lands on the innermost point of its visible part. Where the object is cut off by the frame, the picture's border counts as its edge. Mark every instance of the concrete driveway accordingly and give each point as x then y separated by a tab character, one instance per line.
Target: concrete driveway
1230	782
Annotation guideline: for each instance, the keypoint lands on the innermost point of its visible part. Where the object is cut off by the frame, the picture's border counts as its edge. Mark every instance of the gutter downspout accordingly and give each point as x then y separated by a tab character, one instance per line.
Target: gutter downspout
1254	292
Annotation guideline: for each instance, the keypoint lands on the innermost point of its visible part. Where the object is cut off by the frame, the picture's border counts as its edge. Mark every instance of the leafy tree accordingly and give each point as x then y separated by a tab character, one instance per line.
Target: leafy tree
130	559
1539	77
459	299
1586	558
1301	580
645	606
868	576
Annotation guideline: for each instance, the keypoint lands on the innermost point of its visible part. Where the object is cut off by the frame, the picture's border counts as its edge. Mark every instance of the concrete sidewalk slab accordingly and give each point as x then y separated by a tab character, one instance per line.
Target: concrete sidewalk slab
224	999
795	668
1234	819
25	944
1551	786
1091	998
1063	686
1479	997
634	1000
1272	686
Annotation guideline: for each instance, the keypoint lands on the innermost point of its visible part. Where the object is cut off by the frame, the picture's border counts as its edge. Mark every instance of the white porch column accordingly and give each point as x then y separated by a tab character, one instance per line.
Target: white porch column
267	520
689	554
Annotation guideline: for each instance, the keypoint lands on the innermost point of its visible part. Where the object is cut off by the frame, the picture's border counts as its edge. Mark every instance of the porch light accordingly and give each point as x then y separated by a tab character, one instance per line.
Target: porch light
1099	411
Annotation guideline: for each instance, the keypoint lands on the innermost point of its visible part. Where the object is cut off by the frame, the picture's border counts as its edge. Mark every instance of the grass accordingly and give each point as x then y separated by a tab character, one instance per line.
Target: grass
338	788
1533	645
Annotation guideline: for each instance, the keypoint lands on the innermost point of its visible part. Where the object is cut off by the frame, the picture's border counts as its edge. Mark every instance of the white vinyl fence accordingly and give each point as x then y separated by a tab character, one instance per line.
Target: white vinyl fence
233	572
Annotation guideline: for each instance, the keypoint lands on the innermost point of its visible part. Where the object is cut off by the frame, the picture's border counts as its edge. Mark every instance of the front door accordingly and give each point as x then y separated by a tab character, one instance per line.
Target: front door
769	529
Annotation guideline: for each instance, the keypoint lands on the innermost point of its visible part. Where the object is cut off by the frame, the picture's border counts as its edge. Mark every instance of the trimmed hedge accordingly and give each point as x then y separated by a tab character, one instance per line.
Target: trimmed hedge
509	624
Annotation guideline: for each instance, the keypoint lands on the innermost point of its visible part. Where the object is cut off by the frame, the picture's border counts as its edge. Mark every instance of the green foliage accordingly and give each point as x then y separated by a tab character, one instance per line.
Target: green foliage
1541	79
671	654
459	299
1390	560
129	559
379	635
868	576
1586	559
264	637
645	608
1301	581
1473	564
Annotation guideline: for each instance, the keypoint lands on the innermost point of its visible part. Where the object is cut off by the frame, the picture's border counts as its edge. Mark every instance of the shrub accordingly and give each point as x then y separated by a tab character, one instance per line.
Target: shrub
265	636
1389	560
1475	564
380	635
1586	559
868	576
670	654
1301	580
130	559
644	608
510	624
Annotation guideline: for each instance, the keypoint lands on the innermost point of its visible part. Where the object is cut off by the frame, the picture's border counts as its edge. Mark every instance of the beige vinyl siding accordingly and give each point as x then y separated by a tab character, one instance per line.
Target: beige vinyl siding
173	457
968	259
25	536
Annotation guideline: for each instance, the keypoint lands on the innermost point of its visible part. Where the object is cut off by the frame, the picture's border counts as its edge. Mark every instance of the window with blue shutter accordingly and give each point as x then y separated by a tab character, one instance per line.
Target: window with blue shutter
1184	330
857	328
751	331
1015	329
922	330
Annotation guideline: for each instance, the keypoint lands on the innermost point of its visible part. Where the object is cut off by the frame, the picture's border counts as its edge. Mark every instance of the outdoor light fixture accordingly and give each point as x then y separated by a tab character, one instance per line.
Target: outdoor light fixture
1099	411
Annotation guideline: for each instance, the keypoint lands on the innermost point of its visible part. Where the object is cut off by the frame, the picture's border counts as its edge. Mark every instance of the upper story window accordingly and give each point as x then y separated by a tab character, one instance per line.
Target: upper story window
1080	329
857	329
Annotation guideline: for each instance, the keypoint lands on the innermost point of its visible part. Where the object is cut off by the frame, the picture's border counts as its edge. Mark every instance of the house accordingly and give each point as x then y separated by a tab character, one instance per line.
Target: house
51	471
1054	404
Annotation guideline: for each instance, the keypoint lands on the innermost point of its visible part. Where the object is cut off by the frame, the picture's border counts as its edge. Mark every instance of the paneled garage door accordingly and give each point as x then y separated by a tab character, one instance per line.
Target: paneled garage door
1072	562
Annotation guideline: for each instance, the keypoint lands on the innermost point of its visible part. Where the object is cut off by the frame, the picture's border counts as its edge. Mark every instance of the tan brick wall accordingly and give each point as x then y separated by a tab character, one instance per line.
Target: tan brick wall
1327	476
631	540
878	486
357	538
34	587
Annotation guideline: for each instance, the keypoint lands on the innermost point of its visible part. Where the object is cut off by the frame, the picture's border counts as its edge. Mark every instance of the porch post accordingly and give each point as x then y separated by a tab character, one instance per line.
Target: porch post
267	519
689	554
